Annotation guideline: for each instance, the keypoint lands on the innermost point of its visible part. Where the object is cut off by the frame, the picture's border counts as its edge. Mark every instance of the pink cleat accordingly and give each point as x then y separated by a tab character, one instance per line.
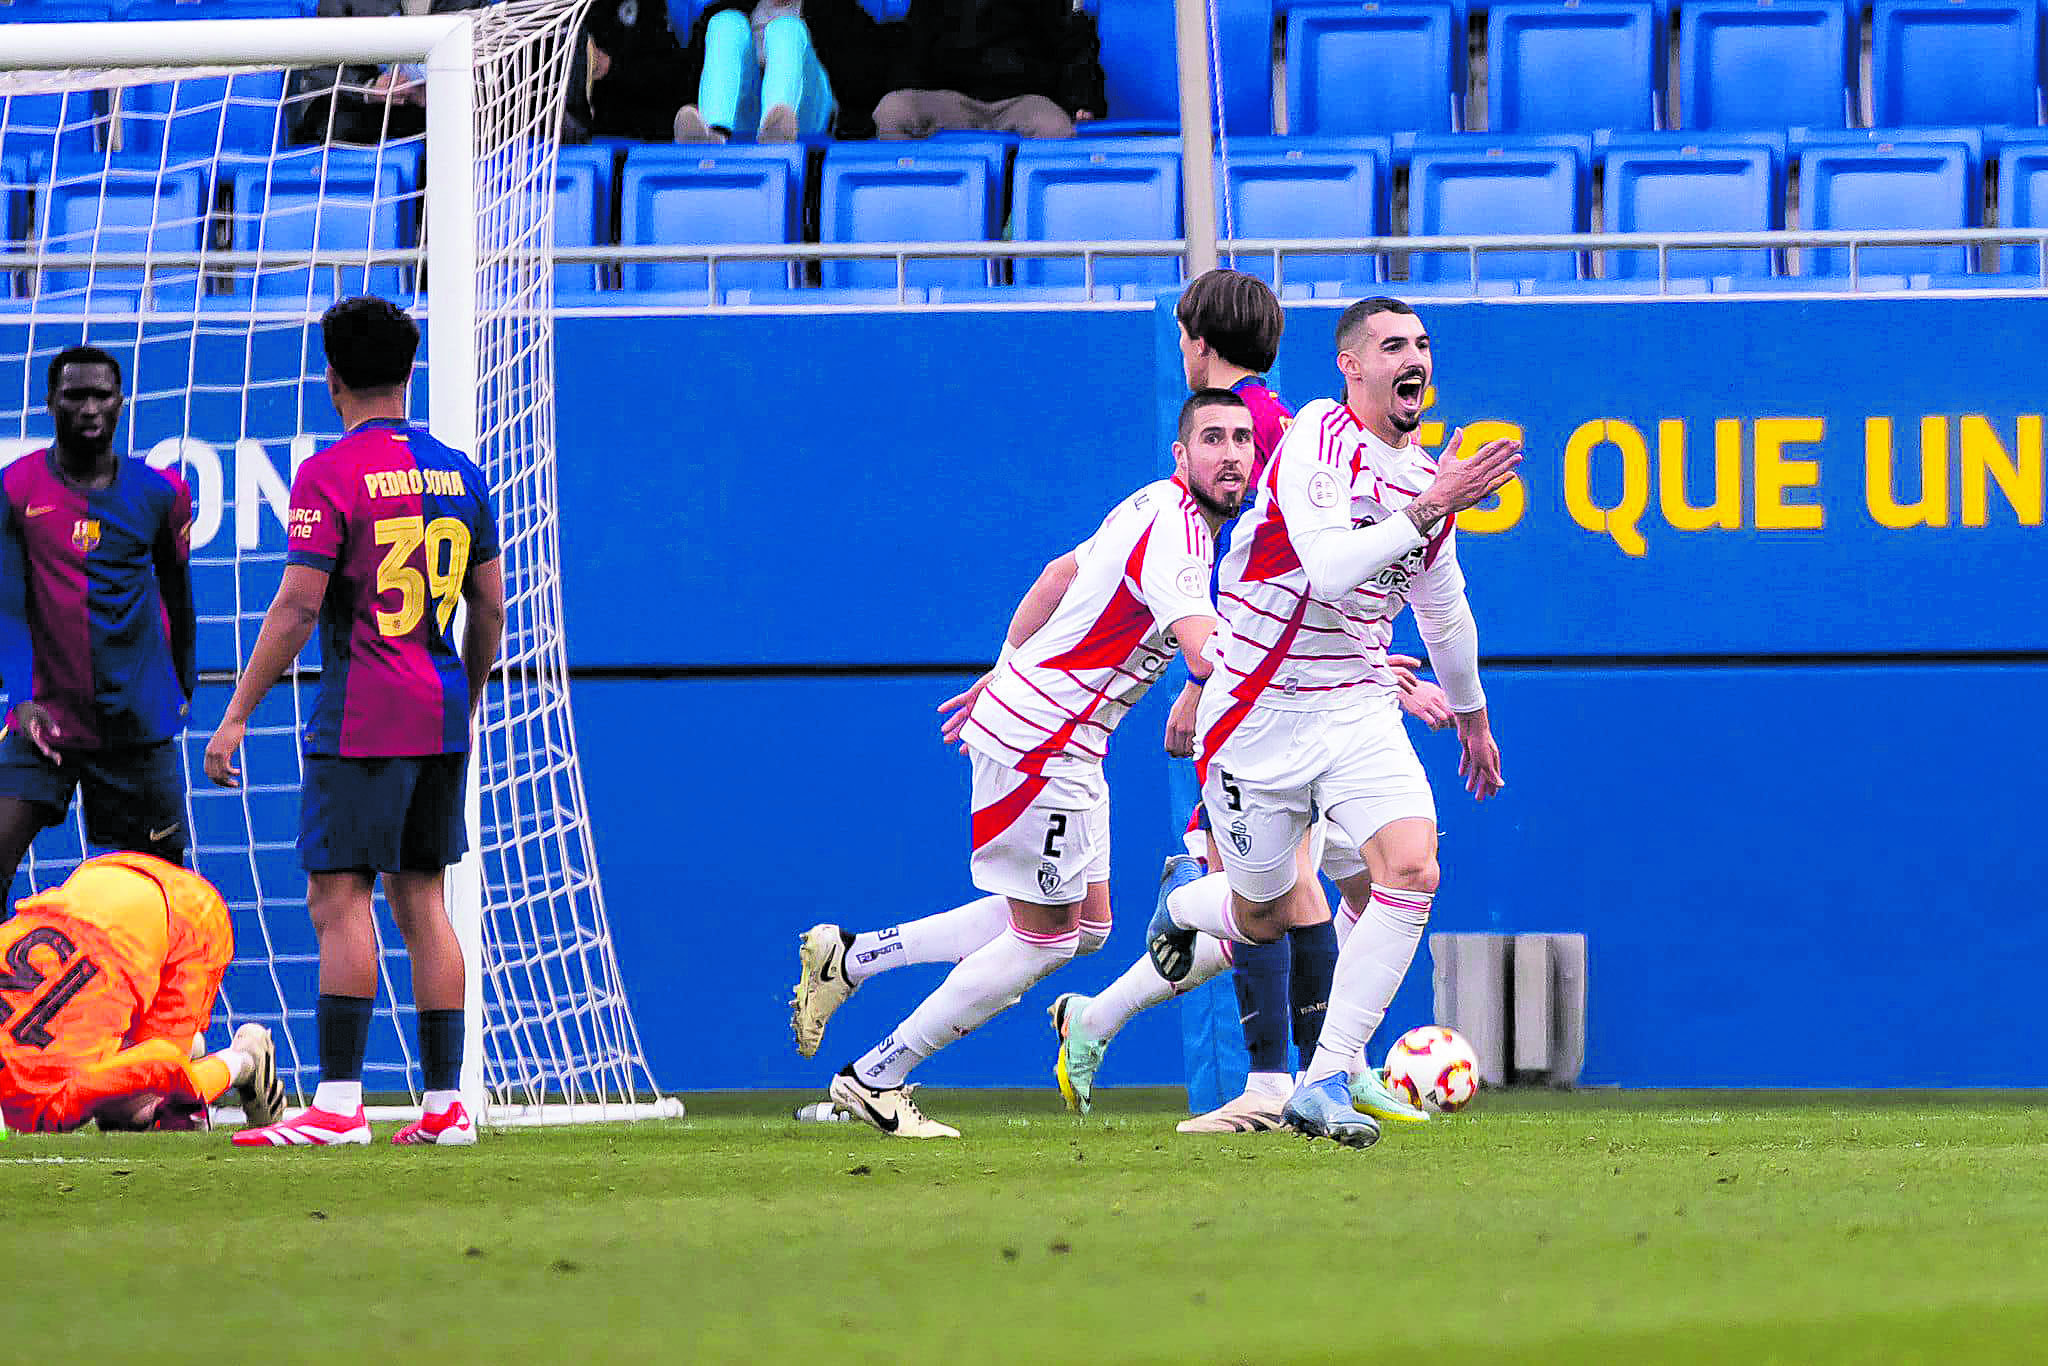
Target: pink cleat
452	1128
308	1129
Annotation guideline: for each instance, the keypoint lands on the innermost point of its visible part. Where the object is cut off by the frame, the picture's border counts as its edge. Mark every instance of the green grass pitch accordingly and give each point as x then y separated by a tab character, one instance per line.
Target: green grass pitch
1598	1227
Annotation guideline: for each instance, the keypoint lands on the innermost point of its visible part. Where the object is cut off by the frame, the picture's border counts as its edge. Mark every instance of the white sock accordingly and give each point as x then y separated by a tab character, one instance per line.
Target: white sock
1094	934
1369	971
439	1102
1344	922
240	1065
339	1097
1141	987
946	937
1272	1085
1204	905
987	982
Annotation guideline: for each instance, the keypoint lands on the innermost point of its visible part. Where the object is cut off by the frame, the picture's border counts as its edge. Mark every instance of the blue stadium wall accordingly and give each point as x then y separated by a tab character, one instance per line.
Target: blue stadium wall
1769	657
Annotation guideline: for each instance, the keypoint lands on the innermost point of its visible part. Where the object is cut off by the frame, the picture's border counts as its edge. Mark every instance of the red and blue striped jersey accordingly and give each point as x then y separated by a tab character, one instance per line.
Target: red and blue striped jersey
96	621
397	520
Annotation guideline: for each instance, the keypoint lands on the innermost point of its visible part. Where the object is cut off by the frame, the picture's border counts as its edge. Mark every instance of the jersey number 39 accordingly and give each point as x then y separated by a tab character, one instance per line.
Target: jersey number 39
446	542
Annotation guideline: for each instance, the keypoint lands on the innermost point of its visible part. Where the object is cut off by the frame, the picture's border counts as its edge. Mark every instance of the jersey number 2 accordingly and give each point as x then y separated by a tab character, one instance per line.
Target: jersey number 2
32	1030
446	540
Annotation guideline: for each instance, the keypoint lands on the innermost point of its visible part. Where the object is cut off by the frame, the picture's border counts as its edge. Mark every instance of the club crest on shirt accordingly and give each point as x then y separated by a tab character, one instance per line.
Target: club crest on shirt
85	533
1240	838
1192	582
1048	877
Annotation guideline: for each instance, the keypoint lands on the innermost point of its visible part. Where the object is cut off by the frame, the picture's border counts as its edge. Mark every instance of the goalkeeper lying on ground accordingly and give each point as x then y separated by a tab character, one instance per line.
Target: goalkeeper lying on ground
104	983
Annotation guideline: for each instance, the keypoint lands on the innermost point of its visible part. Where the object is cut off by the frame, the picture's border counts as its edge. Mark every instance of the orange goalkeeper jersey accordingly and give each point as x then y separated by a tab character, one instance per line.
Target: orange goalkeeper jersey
129	948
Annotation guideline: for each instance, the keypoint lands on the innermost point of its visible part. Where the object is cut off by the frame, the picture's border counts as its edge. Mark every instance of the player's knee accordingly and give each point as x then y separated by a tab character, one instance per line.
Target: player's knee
1413	873
1094	934
1262	922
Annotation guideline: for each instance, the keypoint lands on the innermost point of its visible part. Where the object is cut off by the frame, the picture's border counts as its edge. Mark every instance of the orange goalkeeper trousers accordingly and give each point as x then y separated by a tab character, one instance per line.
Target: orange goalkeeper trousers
156	1067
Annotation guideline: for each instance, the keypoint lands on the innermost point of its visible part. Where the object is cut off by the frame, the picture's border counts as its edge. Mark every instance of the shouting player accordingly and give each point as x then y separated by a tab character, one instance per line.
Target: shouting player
96	628
1036	728
1230	325
1351	522
389	532
110	977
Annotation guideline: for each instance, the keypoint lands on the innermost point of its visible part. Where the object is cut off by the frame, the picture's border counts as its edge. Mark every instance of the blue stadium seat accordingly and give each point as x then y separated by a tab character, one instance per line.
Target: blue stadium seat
1766	64
130	207
47	127
156	10
899	192
54	12
347	200
1495	188
1308	187
1566	68
1140	71
997	149
586	182
1889	185
711	197
1955	61
1392	67
2023	202
1696	187
1068	192
200	116
153	11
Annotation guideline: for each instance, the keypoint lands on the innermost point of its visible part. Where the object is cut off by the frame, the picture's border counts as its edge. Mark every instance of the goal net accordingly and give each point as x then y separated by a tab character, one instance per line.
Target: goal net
190	196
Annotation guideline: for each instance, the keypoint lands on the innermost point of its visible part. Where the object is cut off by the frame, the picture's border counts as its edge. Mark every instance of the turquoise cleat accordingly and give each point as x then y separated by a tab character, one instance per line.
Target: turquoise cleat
1323	1109
1369	1092
1172	948
1079	1055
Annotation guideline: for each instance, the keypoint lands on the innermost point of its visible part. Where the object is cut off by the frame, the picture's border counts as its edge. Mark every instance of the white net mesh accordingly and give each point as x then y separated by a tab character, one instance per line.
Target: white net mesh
196	223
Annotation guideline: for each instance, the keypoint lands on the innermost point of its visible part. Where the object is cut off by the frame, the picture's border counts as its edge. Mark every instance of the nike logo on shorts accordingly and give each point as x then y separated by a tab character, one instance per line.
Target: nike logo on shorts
173	828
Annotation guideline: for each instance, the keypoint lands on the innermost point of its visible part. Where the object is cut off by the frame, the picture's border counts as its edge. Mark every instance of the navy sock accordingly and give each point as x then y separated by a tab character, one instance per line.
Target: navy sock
344	1036
1262	1002
1314	966
441	1049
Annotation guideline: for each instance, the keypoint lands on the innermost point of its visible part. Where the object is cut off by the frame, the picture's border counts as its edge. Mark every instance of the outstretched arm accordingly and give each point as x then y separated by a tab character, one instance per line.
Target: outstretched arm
1033	611
1338	557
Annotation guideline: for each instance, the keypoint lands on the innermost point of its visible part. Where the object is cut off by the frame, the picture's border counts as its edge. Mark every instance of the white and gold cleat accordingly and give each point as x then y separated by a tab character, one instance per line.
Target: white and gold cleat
889	1109
821	985
1251	1113
262	1095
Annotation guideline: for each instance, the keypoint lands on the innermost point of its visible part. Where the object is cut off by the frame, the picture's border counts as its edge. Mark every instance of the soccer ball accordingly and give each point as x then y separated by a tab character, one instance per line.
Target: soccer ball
1433	1067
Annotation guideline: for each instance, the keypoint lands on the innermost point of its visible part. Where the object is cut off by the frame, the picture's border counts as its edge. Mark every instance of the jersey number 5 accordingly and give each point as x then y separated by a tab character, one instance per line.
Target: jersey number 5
32	1030
446	541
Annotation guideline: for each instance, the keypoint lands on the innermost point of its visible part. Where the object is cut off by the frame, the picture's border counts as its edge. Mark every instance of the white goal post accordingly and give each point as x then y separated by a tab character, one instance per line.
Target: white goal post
550	1036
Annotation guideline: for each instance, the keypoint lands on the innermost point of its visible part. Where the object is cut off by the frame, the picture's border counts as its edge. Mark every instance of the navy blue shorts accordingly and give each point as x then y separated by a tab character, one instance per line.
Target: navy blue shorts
401	815
134	795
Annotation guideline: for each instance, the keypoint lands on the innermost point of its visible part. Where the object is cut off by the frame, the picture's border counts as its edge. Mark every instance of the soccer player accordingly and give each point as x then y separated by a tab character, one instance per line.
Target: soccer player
1351	522
390	531
109	978
96	628
1036	728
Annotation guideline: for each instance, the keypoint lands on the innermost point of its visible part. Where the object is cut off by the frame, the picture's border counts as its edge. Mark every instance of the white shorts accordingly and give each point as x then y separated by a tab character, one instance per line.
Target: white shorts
1336	856
1041	840
1356	764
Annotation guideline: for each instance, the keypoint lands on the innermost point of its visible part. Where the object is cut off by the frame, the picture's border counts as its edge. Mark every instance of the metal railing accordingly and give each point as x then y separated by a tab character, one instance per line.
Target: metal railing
1589	246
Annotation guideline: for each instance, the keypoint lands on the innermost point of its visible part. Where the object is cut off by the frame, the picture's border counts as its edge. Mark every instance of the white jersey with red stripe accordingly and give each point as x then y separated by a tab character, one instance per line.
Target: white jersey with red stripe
1282	647
1050	707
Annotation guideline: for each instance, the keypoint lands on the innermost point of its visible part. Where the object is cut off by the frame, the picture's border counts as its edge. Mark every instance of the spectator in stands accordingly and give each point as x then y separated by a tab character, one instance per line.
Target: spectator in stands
782	69
363	103
635	80
1030	67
